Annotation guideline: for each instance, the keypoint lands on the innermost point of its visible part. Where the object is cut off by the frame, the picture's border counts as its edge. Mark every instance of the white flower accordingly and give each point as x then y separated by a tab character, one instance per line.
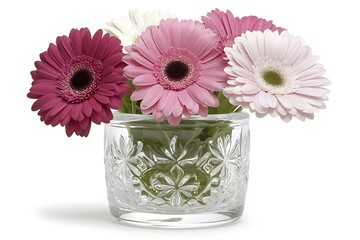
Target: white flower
275	74
129	28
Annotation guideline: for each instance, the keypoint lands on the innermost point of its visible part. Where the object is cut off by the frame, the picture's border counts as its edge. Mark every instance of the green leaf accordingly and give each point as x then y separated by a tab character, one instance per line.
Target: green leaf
129	106
225	106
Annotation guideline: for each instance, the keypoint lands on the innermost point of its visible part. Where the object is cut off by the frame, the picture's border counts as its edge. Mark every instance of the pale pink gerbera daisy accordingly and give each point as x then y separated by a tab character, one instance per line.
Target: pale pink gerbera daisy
175	67
276	74
79	80
229	27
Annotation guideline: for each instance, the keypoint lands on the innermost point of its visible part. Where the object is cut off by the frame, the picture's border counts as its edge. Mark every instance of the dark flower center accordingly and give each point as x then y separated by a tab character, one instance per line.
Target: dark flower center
273	78
81	80
176	71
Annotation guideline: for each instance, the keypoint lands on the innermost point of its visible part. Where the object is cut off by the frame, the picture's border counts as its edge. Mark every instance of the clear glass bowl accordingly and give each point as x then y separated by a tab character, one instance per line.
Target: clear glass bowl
191	175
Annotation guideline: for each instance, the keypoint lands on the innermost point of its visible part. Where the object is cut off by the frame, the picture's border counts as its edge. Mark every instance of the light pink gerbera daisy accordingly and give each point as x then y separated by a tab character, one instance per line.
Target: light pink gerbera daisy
275	74
229	27
176	66
79	80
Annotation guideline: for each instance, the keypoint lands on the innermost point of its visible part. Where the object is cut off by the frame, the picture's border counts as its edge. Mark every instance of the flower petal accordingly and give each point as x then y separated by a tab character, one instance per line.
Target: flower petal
145	80
174	121
152	96
200	95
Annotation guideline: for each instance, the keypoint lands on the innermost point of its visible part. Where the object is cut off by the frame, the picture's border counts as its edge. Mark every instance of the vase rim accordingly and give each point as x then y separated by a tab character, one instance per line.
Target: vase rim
128	117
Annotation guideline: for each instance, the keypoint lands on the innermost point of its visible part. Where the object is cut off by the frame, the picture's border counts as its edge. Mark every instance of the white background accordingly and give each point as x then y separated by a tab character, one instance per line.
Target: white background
304	176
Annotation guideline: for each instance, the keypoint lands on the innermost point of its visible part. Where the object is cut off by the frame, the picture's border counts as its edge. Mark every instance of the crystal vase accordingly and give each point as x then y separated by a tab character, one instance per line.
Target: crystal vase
191	175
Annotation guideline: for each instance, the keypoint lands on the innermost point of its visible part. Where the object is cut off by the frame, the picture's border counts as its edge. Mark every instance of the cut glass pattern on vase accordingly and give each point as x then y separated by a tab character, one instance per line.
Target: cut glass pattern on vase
177	178
194	174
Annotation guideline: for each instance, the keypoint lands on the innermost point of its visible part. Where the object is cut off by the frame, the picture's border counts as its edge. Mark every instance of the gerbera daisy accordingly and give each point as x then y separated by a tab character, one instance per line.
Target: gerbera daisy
78	80
175	67
228	27
275	73
129	28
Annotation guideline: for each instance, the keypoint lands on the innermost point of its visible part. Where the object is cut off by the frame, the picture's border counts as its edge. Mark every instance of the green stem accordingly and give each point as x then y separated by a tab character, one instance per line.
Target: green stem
133	107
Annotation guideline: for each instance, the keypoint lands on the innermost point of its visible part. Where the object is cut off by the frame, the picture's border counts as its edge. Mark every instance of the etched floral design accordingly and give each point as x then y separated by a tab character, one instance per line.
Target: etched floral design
175	153
175	186
178	172
126	155
225	158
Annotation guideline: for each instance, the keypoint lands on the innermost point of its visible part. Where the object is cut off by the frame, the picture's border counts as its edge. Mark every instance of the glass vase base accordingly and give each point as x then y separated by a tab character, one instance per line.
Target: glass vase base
187	220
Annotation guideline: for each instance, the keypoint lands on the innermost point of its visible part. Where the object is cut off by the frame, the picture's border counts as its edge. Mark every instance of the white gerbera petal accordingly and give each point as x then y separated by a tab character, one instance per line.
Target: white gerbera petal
240	59
321	81
271	99
233	101
318	103
250	89
295	102
294	50
284	102
313	91
275	73
281	47
247	98
311	73
129	28
262	98
238	71
286	118
281	110
236	90
243	80
232	82
306	64
274	113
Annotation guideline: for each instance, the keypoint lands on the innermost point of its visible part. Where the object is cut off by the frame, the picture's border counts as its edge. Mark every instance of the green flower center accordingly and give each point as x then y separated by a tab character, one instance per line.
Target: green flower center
273	78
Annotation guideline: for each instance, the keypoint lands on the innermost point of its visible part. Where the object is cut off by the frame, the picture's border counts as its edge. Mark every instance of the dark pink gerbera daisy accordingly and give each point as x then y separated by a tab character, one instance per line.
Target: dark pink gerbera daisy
229	27
176	66
79	80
